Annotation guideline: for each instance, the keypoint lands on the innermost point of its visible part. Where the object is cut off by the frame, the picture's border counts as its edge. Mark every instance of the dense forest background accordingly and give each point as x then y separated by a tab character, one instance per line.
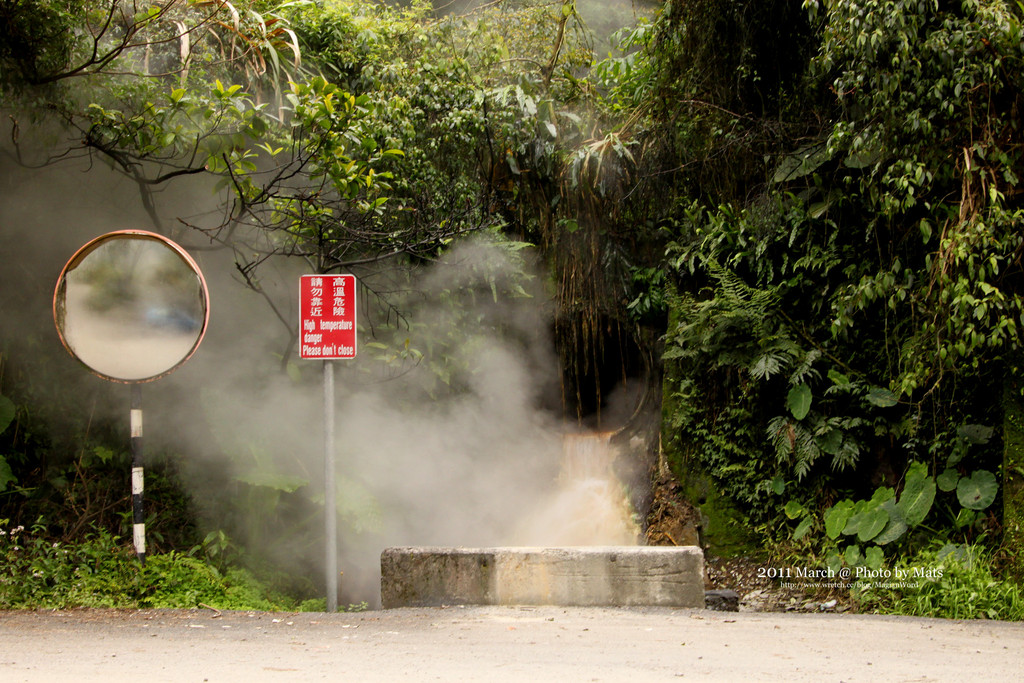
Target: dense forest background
776	244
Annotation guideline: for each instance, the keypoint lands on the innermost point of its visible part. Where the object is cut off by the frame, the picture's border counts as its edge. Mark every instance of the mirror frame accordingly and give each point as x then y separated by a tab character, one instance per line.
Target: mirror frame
91	246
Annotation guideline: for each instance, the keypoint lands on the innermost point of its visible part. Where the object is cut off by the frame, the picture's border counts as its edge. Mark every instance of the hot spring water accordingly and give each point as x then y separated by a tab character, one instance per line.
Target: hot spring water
589	505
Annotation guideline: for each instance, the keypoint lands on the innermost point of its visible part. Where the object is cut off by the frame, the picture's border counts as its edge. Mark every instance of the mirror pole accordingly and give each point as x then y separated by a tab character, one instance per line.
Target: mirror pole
138	518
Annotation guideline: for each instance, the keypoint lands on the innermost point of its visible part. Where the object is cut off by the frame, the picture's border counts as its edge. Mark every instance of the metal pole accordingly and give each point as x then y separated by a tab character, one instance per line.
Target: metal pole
330	490
138	517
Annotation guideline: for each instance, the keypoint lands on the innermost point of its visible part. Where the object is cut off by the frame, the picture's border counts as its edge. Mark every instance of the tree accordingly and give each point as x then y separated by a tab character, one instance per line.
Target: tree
848	271
47	42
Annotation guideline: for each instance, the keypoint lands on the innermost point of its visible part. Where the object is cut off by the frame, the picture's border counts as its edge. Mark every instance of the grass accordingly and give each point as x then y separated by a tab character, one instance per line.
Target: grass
948	581
103	571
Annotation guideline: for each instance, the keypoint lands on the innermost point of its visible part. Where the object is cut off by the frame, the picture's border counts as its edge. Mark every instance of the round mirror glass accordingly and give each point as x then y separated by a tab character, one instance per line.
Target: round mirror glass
131	305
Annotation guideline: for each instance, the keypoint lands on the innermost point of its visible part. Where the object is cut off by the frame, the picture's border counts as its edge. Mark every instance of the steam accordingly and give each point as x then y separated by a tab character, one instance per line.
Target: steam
475	461
418	462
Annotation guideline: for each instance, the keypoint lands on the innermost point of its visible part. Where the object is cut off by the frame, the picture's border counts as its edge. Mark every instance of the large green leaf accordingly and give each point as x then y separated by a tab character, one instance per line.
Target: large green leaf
7	412
802	162
895	527
869	517
836	518
918	494
794	509
856	517
977	491
6	475
947	481
875	520
873	557
830	442
883	398
838	378
978	435
882	494
799	401
803	527
834	561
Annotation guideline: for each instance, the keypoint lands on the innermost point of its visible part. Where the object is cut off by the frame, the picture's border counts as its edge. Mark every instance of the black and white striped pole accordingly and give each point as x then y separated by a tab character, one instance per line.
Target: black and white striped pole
138	476
132	306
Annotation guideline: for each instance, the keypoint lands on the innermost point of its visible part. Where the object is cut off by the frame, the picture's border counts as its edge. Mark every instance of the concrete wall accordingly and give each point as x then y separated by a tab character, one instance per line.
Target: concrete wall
574	576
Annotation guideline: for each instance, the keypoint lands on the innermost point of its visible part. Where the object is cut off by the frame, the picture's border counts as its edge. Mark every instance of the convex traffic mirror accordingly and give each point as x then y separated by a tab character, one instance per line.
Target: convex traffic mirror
131	305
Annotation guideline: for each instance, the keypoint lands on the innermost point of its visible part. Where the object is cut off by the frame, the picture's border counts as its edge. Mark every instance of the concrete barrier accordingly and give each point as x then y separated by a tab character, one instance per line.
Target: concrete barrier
573	576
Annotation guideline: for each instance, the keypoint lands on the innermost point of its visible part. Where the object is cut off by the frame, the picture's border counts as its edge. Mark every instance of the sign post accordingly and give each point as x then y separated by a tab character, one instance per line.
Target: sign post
327	330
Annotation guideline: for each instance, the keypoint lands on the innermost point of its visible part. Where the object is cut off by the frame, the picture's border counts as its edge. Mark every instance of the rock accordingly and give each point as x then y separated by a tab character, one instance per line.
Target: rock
672	520
725	600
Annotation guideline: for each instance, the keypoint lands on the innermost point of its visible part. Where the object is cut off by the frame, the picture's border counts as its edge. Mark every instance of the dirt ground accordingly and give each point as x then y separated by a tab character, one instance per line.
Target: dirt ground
501	644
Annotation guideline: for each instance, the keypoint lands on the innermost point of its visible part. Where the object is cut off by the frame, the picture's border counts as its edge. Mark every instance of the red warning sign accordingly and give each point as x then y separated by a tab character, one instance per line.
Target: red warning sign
327	316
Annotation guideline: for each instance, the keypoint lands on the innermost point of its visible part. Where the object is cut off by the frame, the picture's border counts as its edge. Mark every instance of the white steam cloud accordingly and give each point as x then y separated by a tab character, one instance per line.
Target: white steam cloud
417	464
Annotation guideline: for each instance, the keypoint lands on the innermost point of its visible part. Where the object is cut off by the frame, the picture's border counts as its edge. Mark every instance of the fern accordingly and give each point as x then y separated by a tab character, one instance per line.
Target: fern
767	365
794	444
742	300
805	373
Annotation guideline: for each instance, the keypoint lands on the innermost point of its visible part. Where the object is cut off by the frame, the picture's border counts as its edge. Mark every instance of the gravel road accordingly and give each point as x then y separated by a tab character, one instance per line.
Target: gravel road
501	644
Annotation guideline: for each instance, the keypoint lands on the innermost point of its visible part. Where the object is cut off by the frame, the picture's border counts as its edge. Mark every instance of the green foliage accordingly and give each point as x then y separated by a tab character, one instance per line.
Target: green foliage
835	238
101	571
755	329
204	129
7	412
650	299
799	401
626	80
39	41
887	522
864	297
918	494
977	491
947	581
944	77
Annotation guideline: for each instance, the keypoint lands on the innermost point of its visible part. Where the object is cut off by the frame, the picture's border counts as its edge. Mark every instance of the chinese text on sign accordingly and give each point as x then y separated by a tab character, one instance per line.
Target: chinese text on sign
327	316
